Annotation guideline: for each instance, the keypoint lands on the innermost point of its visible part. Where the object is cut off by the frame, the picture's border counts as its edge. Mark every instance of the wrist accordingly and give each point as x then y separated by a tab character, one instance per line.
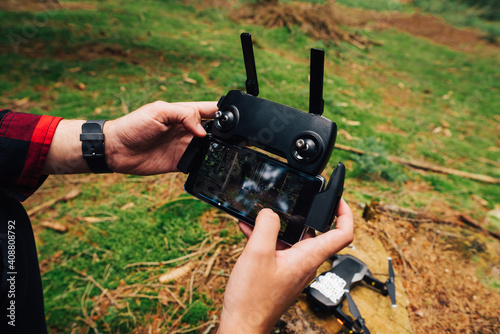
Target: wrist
65	153
109	145
253	322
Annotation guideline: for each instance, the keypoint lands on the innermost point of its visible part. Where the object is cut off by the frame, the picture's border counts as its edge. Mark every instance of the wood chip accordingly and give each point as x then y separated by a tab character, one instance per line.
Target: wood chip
444	123
72	194
347	92
99	219
353	123
437	130
177	273
189	80
55	226
128	206
21	102
346	134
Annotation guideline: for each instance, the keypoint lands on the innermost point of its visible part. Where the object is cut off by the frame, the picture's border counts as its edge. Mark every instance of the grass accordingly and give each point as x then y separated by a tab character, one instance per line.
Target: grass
104	249
78	266
379	5
111	58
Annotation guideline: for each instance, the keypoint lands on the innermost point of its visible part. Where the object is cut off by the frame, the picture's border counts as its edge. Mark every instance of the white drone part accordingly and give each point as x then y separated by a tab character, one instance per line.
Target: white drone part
331	286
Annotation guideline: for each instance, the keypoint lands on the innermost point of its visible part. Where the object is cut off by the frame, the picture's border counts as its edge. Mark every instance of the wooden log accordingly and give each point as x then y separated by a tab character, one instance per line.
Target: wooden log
471	222
425	166
444	170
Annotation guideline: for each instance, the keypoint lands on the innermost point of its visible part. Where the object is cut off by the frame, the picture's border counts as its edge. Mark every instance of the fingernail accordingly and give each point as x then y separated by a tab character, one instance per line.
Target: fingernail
201	129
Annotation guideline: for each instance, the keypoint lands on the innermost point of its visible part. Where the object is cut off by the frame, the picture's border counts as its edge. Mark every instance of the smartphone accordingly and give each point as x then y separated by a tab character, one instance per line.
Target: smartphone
242	181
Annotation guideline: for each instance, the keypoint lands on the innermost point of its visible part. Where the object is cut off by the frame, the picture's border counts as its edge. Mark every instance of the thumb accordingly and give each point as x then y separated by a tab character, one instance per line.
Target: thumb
265	233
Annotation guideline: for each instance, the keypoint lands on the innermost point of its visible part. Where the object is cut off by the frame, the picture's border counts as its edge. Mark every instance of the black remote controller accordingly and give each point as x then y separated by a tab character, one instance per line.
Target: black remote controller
305	140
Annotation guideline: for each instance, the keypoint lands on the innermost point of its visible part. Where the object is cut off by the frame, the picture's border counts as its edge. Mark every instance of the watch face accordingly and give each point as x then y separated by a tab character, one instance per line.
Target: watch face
330	285
92	140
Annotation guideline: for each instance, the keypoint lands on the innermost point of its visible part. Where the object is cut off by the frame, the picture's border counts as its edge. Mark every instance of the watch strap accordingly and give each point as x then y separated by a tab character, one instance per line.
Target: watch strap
92	138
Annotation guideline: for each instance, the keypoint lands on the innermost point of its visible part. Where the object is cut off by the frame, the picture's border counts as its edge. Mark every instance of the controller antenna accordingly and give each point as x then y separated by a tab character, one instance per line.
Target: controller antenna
252	85
316	103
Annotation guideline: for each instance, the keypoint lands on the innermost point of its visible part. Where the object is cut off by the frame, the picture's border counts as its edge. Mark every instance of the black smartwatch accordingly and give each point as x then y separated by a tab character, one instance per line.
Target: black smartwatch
92	139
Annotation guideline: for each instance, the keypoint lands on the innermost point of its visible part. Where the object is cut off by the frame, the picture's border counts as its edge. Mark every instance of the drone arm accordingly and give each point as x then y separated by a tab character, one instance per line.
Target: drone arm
387	288
372	281
343	318
355	313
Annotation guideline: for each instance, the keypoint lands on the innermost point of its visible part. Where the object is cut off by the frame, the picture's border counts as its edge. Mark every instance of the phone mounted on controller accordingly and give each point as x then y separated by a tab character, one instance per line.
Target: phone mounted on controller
232	175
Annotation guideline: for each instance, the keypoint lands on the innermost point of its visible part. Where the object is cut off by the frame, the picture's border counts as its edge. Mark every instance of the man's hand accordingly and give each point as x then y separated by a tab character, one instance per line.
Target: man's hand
150	140
266	281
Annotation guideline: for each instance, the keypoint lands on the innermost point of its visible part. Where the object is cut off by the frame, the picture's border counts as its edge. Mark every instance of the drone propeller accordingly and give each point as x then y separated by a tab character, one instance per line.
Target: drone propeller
355	312
391	288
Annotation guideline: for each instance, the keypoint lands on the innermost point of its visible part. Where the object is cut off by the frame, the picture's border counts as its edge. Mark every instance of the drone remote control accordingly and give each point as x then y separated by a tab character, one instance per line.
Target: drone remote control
227	174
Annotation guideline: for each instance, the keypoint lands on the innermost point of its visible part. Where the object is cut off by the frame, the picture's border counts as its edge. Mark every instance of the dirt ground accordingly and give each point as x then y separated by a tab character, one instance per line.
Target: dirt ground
437	267
325	22
439	264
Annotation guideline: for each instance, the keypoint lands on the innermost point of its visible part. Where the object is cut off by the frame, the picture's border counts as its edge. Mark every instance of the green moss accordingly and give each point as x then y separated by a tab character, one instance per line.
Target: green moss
198	312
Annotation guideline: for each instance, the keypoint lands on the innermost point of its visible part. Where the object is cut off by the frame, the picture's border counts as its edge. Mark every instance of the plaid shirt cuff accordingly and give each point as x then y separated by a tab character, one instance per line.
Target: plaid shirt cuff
24	144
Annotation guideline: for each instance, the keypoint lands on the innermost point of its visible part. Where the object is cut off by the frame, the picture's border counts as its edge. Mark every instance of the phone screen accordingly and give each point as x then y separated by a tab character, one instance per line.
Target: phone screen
241	182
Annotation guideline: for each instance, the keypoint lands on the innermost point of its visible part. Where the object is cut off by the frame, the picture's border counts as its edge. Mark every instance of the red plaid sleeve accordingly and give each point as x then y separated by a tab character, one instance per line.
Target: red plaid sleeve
24	143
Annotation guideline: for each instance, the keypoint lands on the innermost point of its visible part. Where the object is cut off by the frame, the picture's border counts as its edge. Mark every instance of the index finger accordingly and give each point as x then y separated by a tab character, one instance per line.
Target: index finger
334	240
345	219
206	109
189	114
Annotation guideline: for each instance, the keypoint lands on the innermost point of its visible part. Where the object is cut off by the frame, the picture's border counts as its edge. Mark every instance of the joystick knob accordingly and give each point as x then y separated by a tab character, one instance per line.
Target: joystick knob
306	148
301	144
227	119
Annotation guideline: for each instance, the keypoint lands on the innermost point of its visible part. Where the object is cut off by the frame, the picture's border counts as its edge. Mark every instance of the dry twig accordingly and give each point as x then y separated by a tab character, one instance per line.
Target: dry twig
45	205
396	248
93	281
181	304
211	262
